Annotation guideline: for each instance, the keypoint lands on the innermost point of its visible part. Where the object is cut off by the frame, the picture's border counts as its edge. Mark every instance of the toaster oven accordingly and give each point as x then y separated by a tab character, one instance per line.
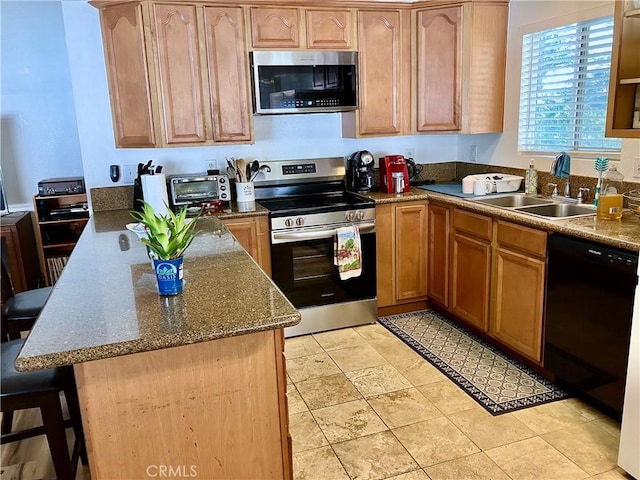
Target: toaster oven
194	189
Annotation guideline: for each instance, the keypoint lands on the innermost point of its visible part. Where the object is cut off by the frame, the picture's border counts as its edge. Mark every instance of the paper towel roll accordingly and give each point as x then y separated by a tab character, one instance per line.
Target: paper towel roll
154	192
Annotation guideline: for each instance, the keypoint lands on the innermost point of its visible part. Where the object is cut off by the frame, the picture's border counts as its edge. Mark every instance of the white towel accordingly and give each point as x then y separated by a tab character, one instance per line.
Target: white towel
348	252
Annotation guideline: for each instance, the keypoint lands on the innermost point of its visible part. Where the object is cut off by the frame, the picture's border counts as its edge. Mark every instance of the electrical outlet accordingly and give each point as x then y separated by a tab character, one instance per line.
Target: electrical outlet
636	167
212	164
129	173
473	153
409	153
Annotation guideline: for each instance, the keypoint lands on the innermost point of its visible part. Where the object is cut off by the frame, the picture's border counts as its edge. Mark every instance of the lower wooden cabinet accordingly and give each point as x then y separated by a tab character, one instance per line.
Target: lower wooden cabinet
438	248
517	299
253	234
401	237
470	268
489	274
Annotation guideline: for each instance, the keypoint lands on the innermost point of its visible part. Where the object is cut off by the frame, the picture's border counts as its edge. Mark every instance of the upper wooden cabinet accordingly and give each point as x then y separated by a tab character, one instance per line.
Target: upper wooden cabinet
275	27
228	74
178	74
329	29
624	80
439	68
384	75
282	27
128	75
460	68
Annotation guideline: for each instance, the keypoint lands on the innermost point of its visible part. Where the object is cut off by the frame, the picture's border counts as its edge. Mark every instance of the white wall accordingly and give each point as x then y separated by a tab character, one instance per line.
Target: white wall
503	149
39	137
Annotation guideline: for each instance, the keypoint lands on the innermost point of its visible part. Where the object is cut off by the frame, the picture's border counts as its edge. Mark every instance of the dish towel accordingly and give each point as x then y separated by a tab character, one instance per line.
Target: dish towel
347	252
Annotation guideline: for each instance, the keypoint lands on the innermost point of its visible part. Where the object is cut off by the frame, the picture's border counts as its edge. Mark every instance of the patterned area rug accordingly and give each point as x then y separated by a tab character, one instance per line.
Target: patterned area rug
497	382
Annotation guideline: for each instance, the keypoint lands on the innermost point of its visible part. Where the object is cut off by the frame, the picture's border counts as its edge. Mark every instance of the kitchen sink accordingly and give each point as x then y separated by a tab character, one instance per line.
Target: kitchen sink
514	201
559	210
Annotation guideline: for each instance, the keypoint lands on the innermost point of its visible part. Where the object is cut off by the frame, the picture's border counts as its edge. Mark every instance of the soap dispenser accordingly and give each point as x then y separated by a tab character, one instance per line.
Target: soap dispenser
531	180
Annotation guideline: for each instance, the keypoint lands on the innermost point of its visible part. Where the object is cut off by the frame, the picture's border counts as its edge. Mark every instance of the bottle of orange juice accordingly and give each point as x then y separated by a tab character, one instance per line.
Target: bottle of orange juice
610	200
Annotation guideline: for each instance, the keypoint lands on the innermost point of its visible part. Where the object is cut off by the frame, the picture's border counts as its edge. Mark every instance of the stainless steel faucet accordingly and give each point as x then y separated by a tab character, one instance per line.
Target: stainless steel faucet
561	168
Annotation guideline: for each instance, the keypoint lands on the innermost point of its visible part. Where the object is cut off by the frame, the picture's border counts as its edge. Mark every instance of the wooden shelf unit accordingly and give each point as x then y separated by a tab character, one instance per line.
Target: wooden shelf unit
58	236
19	250
624	80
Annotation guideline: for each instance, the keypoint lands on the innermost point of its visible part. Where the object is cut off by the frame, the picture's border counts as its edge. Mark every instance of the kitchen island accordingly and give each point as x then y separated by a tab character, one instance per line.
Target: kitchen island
193	384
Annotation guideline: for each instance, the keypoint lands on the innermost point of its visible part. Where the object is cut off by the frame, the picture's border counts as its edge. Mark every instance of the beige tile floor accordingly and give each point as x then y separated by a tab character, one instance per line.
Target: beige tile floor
363	405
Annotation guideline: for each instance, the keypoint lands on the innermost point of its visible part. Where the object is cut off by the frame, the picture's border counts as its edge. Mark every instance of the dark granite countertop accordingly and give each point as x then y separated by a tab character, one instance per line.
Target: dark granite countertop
105	303
623	233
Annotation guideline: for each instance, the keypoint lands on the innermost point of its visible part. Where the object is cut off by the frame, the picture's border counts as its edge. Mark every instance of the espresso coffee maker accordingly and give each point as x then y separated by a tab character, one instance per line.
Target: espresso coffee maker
360	171
394	174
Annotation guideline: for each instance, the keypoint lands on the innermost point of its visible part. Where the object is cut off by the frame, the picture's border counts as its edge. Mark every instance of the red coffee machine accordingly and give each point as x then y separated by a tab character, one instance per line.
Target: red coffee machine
394	174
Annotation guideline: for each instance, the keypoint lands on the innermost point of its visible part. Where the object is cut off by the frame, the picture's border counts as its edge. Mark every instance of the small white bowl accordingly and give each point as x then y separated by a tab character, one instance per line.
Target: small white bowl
139	229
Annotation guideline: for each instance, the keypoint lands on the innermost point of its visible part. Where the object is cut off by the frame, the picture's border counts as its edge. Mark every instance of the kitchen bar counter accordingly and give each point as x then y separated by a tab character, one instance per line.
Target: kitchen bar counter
106	304
624	233
201	373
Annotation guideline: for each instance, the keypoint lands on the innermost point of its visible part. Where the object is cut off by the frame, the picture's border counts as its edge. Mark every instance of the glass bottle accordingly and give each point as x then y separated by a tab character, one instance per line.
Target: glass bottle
610	200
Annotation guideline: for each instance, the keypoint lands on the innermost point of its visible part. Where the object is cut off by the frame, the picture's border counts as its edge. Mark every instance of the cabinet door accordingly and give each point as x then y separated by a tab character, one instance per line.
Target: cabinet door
438	255
275	27
385	235
517	308
228	77
379	41
253	235
329	29
180	73
470	271
439	74
127	74
410	251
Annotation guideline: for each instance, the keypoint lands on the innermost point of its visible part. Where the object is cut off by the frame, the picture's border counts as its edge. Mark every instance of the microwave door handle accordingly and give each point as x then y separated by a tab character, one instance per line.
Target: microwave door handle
283	237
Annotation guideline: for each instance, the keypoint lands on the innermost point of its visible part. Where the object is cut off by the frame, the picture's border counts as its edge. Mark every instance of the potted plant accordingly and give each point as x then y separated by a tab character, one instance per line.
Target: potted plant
167	237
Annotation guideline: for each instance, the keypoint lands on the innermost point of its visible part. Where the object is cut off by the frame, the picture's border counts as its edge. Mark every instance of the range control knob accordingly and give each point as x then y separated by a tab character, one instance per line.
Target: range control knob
300	221
288	222
349	216
359	215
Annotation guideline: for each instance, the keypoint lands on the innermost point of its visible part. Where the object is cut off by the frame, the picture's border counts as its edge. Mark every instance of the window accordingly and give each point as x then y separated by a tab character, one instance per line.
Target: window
564	88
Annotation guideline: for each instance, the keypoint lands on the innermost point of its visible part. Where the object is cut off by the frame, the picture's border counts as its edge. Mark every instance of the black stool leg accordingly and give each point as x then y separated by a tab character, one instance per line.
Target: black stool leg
73	404
53	421
7	422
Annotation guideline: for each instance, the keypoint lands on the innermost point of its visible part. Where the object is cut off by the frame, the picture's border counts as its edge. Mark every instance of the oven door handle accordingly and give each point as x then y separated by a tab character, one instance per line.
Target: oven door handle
284	237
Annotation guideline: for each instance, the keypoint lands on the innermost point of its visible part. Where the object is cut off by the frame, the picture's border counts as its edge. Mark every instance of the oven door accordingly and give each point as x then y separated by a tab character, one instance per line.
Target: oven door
303	268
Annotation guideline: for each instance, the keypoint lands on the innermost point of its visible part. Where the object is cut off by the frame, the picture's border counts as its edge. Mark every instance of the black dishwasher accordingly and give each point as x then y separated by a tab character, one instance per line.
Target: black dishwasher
589	303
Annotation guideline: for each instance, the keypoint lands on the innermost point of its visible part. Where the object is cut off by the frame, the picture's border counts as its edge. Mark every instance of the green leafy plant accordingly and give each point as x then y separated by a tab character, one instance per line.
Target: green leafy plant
168	236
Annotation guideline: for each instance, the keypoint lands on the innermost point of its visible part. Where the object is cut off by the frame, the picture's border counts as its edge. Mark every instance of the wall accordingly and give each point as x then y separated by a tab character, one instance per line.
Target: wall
39	137
503	149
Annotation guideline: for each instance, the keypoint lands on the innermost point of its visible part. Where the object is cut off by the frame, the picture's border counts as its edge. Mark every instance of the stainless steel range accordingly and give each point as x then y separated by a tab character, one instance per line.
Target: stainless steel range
307	202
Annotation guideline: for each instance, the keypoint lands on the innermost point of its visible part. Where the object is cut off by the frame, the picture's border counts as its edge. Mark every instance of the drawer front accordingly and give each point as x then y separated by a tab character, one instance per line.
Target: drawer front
519	237
472	224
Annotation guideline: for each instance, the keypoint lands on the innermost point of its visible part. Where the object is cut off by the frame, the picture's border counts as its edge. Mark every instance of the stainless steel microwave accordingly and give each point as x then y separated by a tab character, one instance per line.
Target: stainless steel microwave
304	82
